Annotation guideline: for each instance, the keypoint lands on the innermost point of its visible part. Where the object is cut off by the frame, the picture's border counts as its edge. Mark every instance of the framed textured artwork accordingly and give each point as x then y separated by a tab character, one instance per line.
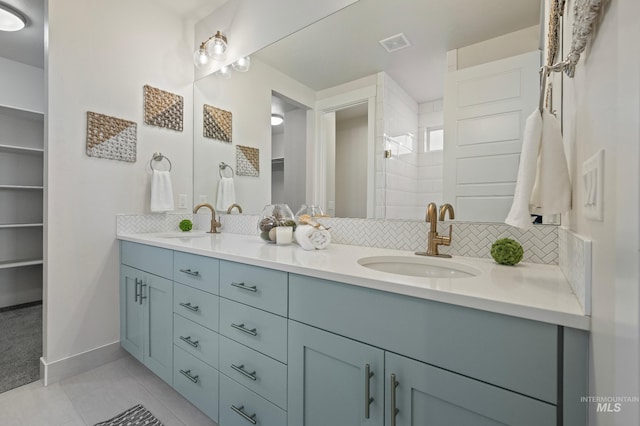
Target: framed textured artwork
216	123
163	109
247	161
111	138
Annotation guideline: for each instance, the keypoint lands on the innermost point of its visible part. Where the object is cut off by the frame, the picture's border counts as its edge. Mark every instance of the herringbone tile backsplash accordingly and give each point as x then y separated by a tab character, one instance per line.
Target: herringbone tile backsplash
469	238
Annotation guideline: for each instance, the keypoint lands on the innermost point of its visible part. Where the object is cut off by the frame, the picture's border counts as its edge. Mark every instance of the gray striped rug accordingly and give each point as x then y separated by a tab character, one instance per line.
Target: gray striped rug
134	416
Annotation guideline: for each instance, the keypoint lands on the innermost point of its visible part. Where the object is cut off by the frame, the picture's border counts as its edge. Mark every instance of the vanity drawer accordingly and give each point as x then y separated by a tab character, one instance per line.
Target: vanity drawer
199	341
260	330
259	287
155	260
263	375
196	305
514	353
238	404
196	271
196	381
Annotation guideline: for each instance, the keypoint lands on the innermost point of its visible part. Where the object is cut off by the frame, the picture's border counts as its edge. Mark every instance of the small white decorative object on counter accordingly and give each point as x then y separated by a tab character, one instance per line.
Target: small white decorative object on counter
311	238
320	238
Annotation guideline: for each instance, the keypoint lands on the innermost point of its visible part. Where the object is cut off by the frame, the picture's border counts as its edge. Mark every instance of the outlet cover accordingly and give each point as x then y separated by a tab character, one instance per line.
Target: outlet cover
593	185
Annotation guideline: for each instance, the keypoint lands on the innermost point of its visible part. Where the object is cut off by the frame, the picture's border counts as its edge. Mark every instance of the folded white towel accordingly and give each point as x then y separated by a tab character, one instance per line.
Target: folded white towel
543	185
226	194
161	191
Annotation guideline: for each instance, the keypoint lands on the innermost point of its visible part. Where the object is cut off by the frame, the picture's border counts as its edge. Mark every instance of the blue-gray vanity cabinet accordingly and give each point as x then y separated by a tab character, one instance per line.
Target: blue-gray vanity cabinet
418	394
333	380
146	319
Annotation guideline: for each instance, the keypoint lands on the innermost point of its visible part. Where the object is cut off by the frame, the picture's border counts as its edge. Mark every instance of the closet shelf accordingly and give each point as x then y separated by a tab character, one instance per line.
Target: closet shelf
20	225
21	187
21	113
20	149
19	263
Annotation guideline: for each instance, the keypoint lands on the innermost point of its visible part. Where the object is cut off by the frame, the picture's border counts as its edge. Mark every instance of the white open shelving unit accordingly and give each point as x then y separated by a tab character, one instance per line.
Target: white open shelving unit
21	205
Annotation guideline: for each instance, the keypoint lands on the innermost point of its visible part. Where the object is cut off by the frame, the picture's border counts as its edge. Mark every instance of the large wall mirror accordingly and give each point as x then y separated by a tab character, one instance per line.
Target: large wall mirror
386	106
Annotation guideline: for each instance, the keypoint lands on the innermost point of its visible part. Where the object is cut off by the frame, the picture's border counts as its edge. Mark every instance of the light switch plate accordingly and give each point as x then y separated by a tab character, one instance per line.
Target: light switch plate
593	185
182	201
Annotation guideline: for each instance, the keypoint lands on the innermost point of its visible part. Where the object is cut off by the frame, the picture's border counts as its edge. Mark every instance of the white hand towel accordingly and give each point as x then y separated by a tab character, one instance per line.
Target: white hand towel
161	191
543	166
226	194
552	190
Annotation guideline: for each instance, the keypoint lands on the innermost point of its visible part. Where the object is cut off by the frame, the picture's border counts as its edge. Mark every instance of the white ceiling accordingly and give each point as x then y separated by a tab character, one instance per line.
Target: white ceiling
344	46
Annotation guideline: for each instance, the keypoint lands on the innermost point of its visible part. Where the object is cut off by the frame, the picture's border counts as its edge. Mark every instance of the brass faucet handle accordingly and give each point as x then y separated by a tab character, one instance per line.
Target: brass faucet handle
215	224
447	240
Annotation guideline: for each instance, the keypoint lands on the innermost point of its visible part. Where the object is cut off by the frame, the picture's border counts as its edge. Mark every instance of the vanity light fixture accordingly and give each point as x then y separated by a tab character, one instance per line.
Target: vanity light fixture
242	64
224	72
276	119
11	19
213	47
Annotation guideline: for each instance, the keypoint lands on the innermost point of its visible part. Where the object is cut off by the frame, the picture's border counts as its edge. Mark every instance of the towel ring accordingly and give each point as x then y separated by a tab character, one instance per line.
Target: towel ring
223	166
159	157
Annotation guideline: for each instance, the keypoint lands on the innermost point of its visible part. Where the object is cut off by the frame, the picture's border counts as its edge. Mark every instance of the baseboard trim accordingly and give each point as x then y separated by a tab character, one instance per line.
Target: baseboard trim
53	372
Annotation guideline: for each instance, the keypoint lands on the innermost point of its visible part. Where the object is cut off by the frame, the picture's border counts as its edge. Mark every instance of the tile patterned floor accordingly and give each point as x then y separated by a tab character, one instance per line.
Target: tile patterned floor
98	395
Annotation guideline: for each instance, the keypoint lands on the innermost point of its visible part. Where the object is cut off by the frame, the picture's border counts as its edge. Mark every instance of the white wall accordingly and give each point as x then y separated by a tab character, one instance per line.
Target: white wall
295	154
248	97
504	46
430	164
351	167
21	86
100	56
602	111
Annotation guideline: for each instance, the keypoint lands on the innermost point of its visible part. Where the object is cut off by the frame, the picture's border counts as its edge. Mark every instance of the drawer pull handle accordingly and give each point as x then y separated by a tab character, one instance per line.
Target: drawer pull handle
188	341
138	283
242	286
250	418
188	375
142	286
240	369
394	408
368	374
242	328
189	307
190	272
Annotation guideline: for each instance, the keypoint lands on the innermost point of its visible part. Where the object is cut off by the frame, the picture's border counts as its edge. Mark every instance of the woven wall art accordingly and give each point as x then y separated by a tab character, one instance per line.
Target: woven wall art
216	123
247	161
110	137
163	109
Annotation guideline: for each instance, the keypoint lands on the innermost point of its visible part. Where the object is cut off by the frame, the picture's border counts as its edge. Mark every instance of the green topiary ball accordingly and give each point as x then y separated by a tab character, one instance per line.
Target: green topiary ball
186	225
506	251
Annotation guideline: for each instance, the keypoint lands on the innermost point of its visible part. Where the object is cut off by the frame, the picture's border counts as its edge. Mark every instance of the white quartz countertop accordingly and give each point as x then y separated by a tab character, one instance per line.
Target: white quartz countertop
527	290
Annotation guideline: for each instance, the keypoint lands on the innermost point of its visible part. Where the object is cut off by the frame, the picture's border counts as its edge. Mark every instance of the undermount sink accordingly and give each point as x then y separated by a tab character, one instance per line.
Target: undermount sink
428	267
189	234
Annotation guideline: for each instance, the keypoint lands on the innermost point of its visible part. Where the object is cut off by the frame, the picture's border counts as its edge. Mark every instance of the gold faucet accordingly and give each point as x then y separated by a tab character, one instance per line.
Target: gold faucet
433	239
232	206
214	223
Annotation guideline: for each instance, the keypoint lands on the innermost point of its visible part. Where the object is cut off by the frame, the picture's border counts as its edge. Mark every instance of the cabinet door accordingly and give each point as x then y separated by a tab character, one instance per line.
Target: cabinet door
131	317
157	296
429	396
327	380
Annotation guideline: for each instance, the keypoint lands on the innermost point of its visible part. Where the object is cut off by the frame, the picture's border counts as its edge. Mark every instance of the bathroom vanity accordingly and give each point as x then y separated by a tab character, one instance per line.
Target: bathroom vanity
254	333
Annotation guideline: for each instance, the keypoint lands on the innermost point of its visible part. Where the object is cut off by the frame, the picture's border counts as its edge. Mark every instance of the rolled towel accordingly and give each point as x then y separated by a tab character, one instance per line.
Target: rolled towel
161	191
226	194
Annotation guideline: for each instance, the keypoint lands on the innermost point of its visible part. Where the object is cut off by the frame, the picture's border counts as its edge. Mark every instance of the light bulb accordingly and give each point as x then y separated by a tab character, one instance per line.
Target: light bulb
224	72
200	58
242	64
217	45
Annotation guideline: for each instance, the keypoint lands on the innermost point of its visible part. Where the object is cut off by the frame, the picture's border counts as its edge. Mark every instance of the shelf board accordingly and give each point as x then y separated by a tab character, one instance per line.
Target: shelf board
20	149
20	225
19	263
21	187
22	113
